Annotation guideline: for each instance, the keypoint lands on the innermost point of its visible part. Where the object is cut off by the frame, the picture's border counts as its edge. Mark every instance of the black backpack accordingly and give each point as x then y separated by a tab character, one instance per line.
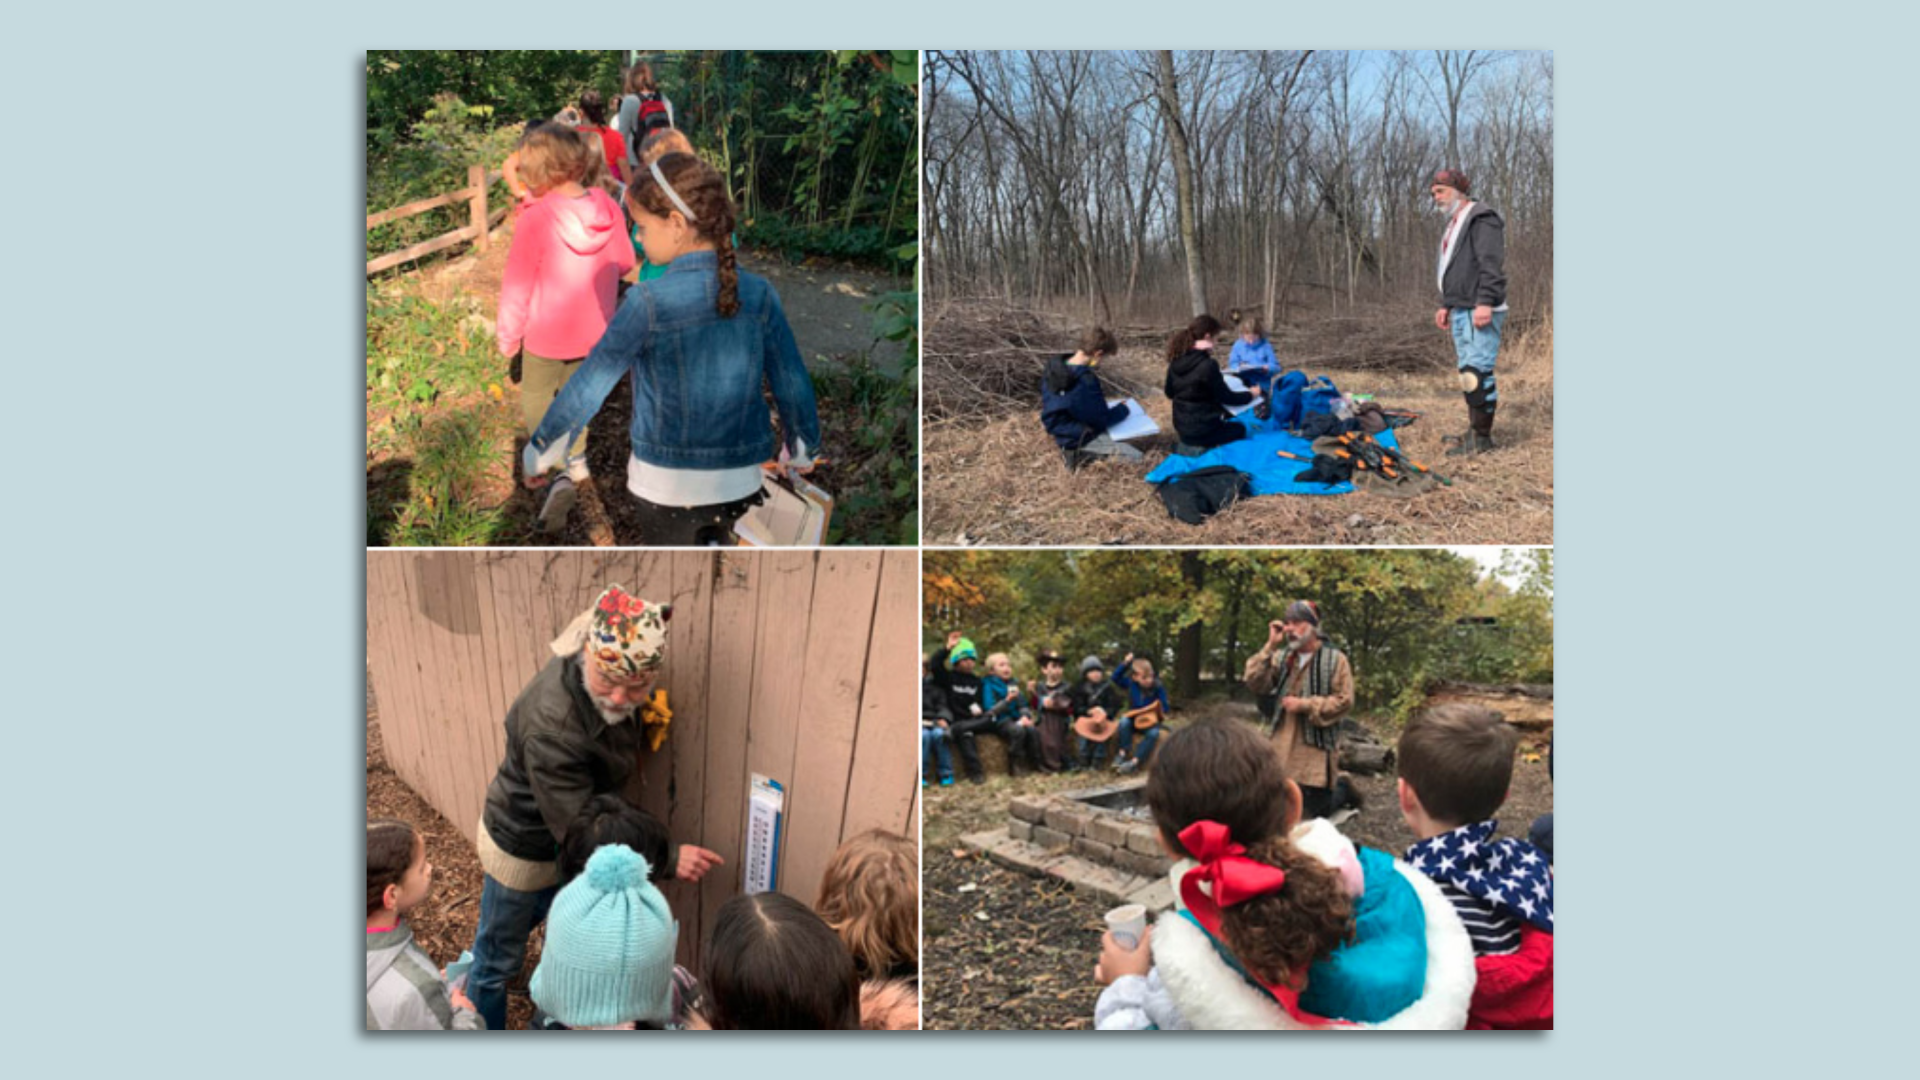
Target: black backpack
1196	496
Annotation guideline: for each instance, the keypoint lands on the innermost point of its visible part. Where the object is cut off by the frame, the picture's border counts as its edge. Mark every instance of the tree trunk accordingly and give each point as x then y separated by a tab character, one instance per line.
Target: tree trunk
1183	187
1186	655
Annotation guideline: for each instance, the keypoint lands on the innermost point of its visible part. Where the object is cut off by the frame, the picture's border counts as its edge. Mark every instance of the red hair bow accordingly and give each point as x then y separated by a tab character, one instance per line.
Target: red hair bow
1231	877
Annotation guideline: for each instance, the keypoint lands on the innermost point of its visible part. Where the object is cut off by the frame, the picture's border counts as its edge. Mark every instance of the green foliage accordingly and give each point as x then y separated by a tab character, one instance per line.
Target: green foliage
433	159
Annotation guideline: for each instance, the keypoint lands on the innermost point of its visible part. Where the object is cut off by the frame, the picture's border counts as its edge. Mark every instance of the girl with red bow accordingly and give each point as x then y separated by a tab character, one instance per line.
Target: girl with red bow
1280	924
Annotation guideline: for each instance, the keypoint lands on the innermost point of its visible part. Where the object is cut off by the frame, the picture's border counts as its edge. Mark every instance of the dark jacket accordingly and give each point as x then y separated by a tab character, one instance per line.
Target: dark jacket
560	753
1200	397
1475	271
1072	405
962	688
1105	694
933	701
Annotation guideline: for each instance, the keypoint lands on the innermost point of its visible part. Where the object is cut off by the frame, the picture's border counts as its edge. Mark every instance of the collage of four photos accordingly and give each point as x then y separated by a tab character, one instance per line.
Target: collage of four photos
1175	426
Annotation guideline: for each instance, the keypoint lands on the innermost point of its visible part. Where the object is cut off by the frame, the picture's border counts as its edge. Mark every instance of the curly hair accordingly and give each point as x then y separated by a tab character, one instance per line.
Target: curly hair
1222	771
1202	326
870	895
391	845
659	144
704	191
552	154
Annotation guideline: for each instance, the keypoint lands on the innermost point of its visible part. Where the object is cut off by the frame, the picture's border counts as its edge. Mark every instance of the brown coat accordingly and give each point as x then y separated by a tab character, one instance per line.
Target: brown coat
1305	764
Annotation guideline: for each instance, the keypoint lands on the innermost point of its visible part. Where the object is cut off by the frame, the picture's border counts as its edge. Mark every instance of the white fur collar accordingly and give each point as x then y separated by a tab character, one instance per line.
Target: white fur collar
1213	997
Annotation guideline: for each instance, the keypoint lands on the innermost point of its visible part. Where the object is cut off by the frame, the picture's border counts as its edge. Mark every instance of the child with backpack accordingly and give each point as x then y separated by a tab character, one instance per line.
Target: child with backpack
404	988
608	959
774	965
1073	406
643	111
701	343
557	293
1456	764
1280	923
1199	392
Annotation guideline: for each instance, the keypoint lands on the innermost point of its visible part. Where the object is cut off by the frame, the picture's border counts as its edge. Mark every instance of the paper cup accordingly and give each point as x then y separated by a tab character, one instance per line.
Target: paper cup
1127	922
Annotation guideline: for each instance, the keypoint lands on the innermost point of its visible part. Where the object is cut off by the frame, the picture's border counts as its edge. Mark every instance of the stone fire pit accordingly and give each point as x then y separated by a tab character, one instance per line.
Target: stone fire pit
1099	839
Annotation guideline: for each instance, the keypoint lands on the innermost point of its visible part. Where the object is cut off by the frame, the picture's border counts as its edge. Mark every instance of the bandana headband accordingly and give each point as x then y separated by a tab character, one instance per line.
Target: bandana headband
1232	878
661	179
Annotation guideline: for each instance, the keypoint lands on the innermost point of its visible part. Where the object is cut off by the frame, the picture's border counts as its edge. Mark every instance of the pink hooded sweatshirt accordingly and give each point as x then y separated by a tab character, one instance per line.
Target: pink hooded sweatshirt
562	275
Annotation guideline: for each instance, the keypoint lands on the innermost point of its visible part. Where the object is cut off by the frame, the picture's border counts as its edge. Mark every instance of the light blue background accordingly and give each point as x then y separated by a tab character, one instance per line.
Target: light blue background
184	654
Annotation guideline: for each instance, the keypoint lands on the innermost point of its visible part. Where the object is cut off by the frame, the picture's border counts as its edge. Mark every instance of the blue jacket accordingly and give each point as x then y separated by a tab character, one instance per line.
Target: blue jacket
997	695
1251	356
1072	406
1138	698
697	378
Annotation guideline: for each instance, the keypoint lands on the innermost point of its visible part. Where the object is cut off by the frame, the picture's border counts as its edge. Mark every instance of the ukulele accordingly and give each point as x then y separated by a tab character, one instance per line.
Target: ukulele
1096	726
1145	716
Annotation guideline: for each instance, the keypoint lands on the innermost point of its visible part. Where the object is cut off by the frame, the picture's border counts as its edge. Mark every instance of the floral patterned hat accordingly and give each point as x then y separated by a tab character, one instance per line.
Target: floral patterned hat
625	635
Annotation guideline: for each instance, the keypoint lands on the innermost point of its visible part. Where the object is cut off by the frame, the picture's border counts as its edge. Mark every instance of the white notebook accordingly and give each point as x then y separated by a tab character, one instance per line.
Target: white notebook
1137	425
1234	384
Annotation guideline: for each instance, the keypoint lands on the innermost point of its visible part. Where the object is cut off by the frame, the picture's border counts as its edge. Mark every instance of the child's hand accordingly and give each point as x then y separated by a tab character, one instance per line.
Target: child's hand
953	638
1117	960
695	862
460	1000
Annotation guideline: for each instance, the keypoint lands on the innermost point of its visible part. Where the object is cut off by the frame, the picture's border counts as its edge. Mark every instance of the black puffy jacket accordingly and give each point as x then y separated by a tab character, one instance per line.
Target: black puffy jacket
1200	397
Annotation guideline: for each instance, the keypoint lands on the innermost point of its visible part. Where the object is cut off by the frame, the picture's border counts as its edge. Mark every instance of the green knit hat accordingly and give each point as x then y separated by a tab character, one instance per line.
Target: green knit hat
609	952
963	650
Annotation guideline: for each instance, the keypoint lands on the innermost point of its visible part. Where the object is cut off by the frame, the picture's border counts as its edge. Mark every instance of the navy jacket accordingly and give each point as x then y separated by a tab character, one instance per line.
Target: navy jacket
1475	273
1072	405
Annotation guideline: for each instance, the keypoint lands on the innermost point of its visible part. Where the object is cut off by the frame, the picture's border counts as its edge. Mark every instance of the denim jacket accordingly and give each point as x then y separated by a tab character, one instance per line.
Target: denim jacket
697	377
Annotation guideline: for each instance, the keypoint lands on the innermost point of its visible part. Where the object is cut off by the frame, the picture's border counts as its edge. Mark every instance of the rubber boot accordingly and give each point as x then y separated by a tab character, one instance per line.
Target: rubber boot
1479	439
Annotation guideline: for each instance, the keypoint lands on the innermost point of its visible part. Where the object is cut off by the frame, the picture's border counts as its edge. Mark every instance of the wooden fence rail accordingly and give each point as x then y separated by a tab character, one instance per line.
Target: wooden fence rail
479	222
800	666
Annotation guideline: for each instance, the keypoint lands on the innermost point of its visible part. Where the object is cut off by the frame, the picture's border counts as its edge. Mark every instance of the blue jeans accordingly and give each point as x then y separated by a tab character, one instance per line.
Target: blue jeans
1147	739
1090	751
1476	347
507	919
936	753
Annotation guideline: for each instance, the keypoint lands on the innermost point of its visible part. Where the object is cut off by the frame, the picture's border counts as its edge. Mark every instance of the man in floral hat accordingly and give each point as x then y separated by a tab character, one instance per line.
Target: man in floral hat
1315	684
577	731
1473	299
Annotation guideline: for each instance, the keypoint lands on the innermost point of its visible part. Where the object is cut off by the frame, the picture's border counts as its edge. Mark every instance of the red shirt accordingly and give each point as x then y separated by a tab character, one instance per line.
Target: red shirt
615	149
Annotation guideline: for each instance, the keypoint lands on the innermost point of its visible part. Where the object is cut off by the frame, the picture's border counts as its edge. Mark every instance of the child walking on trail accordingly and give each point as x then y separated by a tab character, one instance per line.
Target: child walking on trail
1252	357
1136	677
1073	406
557	293
608	959
870	896
1456	765
1199	392
643	110
1280	924
613	148
701	343
404	989
774	965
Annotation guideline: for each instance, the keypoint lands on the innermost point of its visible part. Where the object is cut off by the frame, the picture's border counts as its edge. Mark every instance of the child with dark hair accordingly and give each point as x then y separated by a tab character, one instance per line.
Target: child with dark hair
1073	406
1279	923
610	819
557	292
613	148
870	895
1053	701
703	343
774	965
608	959
404	988
936	728
643	110
1199	392
1456	763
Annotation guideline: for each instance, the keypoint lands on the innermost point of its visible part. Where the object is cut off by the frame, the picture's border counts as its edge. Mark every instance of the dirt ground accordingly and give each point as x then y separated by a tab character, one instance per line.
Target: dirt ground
1001	481
1005	949
445	923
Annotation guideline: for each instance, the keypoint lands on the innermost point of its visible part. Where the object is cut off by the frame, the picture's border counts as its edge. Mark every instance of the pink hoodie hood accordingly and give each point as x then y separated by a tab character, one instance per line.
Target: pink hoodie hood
585	224
562	274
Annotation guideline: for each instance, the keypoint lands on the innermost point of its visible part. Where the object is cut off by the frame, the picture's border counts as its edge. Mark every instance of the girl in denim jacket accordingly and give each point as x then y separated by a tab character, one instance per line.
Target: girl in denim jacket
701	342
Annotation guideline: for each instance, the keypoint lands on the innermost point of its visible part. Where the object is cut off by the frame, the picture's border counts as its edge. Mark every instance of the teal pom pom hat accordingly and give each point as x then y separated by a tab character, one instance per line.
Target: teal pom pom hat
610	943
963	650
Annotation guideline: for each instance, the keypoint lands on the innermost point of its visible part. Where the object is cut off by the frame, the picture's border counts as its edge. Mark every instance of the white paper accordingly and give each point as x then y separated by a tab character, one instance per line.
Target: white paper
760	868
1234	384
1137	425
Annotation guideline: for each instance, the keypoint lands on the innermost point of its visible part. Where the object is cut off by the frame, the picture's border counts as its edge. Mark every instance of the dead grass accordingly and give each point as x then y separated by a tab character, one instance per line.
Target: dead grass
994	476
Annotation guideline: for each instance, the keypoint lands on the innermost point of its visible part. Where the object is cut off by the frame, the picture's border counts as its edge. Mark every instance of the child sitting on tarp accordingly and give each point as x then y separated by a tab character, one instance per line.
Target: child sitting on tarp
1456	764
1074	408
1252	358
1199	392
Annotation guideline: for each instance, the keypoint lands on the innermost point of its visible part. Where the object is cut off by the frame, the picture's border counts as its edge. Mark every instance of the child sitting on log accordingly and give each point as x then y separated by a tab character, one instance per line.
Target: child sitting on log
1456	764
1136	677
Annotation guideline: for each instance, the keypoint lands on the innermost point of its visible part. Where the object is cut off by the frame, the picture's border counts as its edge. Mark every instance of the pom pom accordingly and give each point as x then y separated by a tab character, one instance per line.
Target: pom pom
616	868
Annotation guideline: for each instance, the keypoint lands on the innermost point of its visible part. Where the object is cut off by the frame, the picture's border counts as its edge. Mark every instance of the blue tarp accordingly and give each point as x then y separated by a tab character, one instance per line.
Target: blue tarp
1255	456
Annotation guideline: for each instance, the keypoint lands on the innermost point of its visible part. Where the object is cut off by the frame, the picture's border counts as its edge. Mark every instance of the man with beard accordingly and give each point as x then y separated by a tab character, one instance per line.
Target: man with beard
1315	684
1473	300
577	731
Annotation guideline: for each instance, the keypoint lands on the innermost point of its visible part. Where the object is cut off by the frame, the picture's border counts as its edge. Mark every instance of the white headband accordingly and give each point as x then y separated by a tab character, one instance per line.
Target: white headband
671	194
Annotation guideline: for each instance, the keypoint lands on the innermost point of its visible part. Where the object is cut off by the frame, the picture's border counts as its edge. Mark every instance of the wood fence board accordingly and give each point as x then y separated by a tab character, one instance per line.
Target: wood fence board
881	789
687	691
730	693
780	647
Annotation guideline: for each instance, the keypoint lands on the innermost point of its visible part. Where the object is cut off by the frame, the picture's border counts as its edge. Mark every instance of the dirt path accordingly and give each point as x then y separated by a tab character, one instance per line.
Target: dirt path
1005	949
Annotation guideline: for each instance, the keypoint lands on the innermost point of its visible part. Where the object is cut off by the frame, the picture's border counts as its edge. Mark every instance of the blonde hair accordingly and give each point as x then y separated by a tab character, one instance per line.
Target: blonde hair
1251	325
870	895
552	155
661	143
993	661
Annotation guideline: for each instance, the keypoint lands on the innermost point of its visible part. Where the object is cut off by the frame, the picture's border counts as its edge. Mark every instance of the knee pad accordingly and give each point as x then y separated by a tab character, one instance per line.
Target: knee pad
1479	387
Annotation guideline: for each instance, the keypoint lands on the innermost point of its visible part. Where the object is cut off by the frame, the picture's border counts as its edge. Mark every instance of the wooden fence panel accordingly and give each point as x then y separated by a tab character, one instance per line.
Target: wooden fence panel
730	696
881	793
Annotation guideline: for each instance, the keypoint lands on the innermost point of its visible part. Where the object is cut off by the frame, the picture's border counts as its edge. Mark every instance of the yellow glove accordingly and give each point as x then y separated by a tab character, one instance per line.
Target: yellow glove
655	717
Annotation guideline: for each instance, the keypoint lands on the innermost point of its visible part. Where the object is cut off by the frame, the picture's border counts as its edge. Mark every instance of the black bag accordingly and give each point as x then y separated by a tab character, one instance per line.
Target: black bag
1196	496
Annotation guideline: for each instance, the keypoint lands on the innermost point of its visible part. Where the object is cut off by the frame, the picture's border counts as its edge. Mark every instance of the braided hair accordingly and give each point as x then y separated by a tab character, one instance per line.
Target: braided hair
704	191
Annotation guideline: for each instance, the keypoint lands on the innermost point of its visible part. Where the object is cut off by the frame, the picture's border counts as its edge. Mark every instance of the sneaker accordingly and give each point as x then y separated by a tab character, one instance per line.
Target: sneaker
560	497
1127	767
946	781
